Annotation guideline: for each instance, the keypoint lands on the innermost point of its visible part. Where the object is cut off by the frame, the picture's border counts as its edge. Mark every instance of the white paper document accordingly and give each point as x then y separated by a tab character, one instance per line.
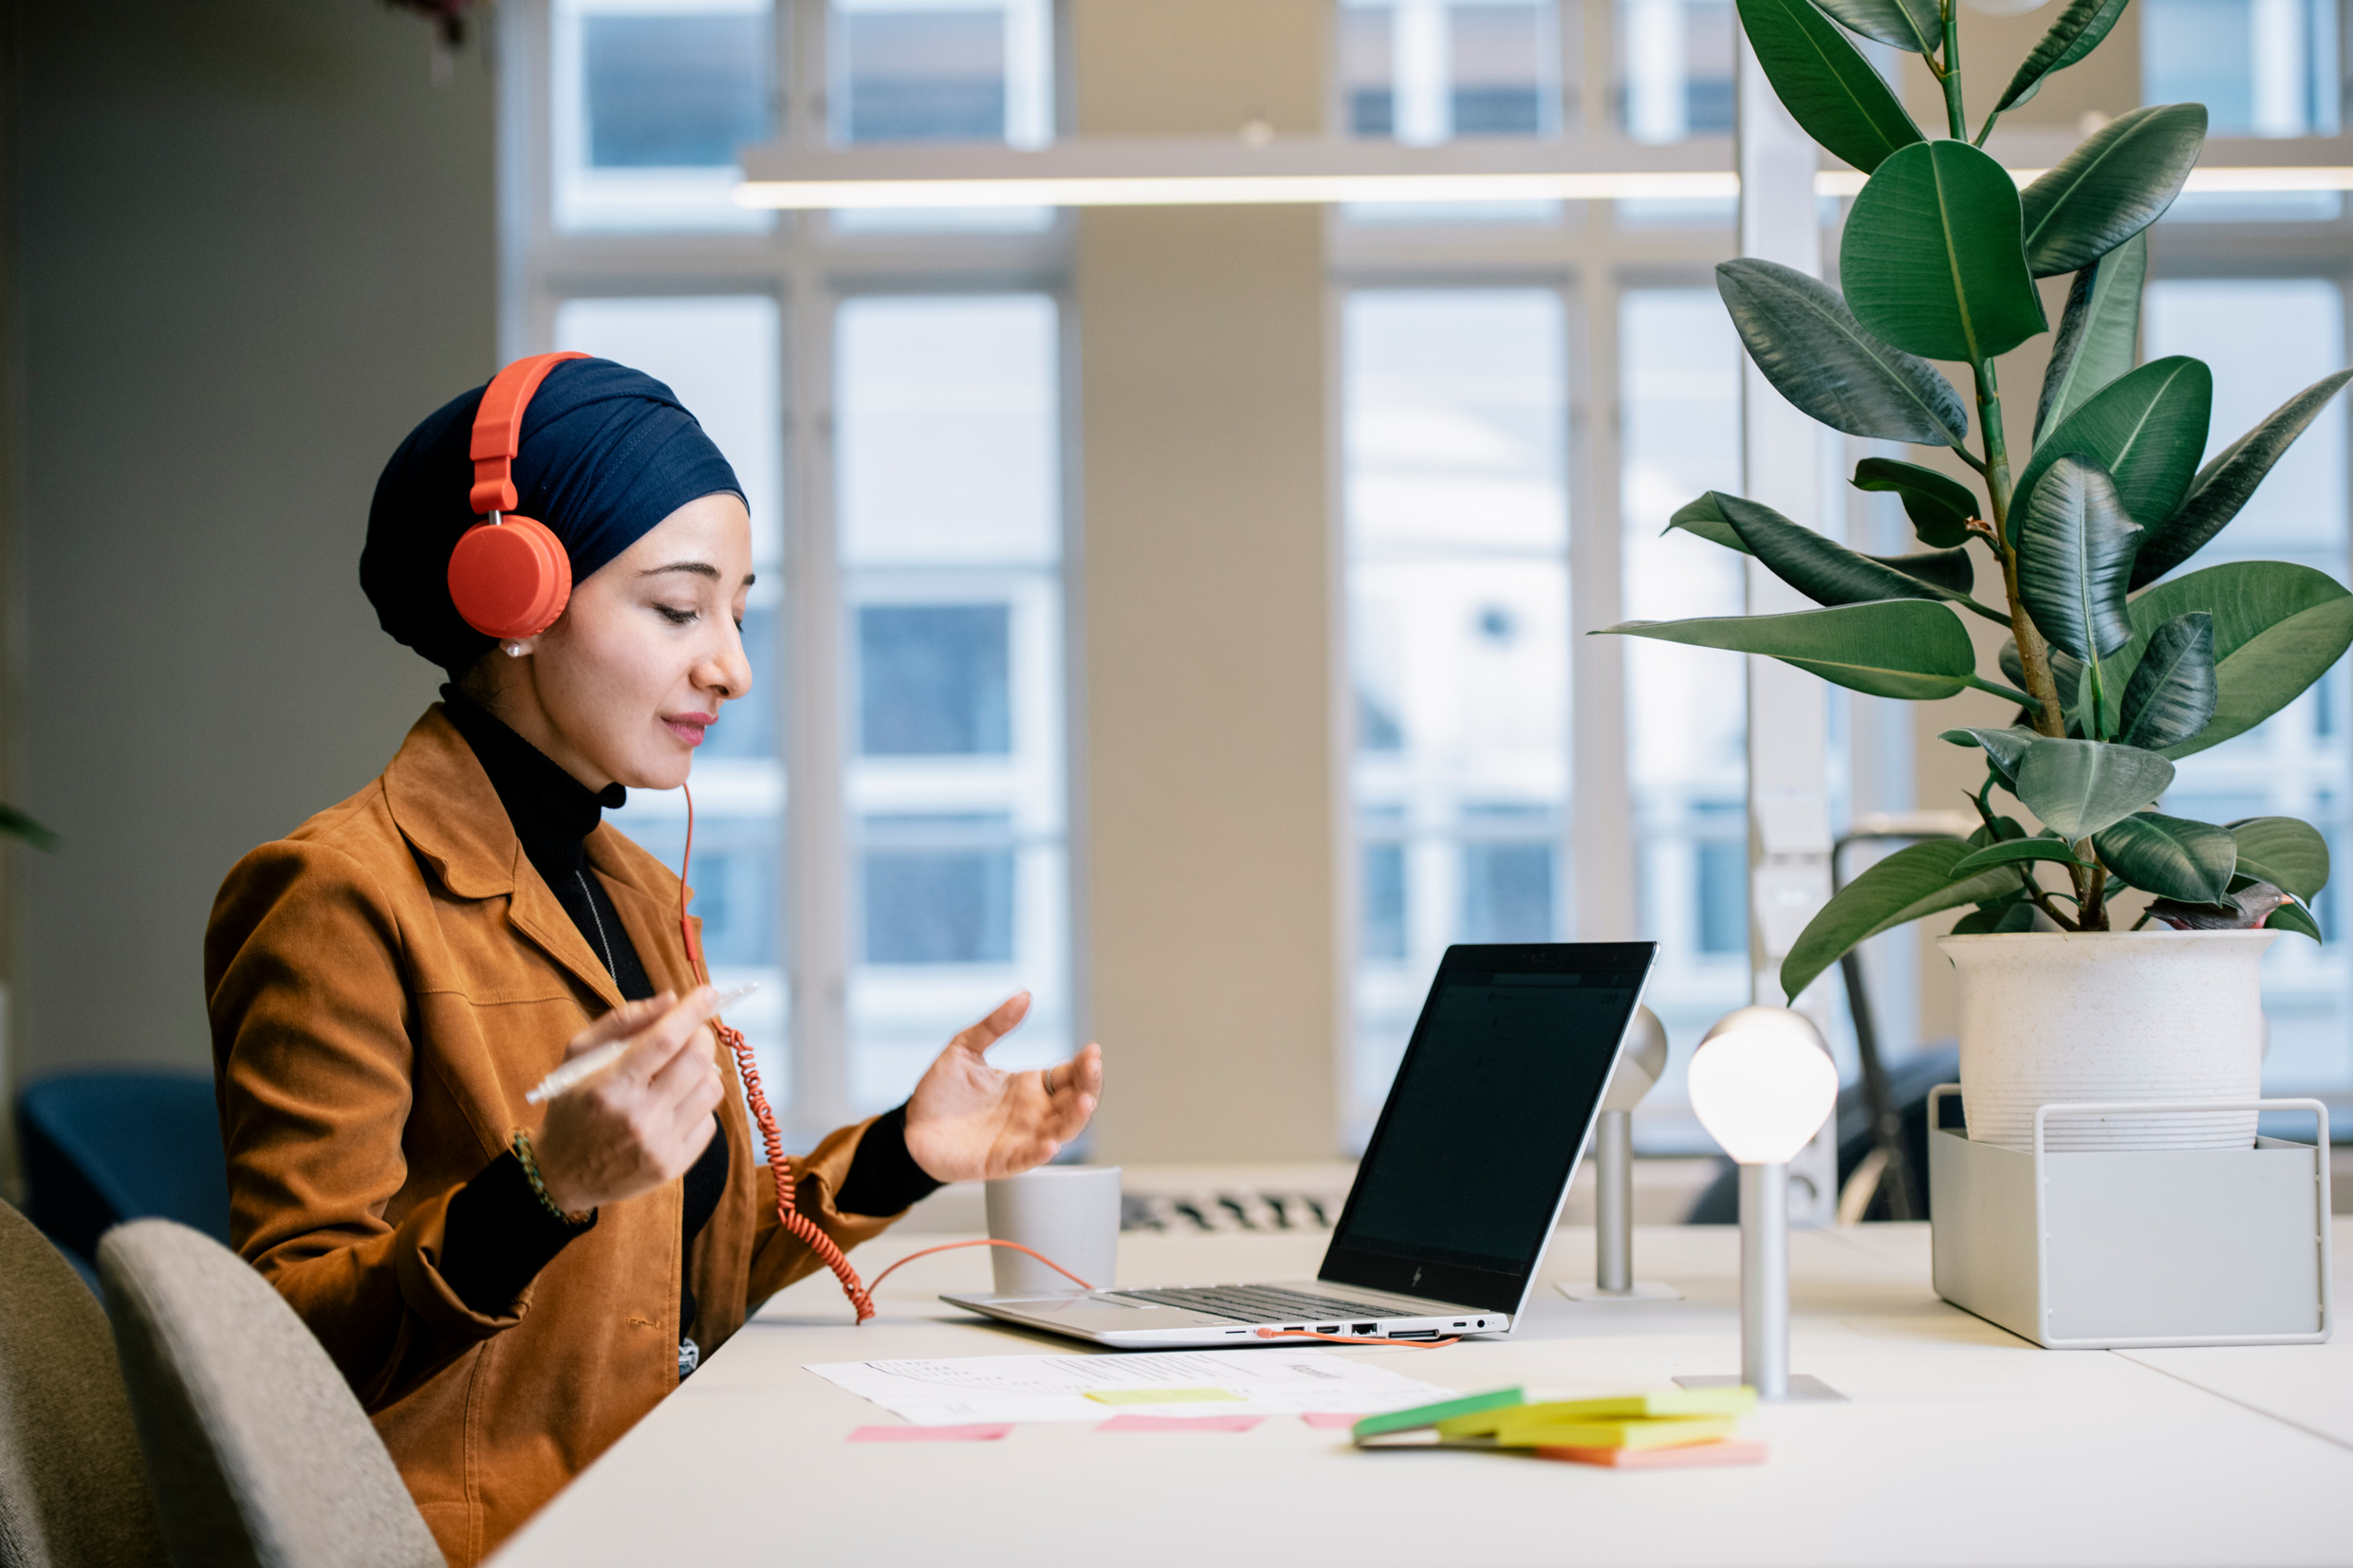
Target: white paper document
1095	1387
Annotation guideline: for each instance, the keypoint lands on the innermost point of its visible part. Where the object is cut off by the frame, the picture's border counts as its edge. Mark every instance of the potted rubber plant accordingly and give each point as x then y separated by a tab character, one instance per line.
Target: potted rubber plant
2122	657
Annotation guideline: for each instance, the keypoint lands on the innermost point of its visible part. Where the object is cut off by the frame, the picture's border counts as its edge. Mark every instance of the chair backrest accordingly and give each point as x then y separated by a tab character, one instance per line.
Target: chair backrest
102	1147
72	1491
259	1454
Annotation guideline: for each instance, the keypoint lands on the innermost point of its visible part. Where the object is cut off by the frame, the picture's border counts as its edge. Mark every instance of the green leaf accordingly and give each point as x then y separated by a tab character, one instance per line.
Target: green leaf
2145	428
2113	186
2289	855
2075	549
2003	748
1934	258
1894	648
2278	627
1704	518
1950	572
16	824
2170	695
2079	788
2013	850
1939	505
1910	883
2003	919
1810	348
2223	486
2292	917
1911	25
1824	82
1827	572
2099	332
2171	856
2075	34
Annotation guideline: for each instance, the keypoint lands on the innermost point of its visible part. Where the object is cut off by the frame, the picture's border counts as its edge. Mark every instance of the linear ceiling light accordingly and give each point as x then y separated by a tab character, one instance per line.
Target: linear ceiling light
1109	173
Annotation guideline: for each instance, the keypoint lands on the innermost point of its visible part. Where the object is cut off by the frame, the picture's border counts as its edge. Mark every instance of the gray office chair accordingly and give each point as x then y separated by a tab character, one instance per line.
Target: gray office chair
72	1491
260	1456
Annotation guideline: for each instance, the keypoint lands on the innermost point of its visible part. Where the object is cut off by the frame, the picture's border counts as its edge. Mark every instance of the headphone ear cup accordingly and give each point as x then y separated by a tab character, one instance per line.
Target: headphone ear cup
511	579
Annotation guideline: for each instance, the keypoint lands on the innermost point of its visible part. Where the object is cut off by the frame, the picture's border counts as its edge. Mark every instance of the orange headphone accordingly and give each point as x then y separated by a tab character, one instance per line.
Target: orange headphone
511	576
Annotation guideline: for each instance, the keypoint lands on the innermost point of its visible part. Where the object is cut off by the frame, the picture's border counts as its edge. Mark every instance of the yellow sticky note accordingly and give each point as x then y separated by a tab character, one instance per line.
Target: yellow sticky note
1160	1396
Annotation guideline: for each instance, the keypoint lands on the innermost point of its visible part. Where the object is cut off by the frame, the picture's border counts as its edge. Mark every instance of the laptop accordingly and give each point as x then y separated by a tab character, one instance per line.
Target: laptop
1460	1186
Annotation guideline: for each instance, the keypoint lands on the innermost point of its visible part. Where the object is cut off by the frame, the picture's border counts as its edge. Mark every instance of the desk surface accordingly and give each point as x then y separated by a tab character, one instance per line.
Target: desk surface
1961	1445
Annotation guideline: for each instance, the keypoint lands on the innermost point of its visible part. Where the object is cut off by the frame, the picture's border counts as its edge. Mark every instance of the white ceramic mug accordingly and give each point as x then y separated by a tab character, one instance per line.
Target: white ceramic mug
1069	1212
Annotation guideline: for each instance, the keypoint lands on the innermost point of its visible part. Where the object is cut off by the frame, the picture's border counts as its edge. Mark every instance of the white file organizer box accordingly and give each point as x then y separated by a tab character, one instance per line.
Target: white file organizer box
2112	1250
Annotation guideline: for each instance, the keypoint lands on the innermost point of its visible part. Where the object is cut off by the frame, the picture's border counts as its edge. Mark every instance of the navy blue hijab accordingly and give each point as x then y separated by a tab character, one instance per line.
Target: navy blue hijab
608	453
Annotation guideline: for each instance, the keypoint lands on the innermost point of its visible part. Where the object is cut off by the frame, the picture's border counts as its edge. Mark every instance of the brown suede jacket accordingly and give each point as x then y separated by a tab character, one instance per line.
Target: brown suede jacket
385	985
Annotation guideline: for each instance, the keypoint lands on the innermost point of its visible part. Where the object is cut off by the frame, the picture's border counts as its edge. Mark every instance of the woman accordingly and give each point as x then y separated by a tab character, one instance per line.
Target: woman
509	1287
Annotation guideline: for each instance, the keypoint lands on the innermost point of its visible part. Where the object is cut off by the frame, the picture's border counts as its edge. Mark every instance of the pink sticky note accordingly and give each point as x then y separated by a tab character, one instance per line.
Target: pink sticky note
1131	1423
931	1435
1328	1421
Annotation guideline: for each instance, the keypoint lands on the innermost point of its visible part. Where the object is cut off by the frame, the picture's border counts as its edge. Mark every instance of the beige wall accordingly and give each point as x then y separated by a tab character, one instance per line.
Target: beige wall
1209	605
256	246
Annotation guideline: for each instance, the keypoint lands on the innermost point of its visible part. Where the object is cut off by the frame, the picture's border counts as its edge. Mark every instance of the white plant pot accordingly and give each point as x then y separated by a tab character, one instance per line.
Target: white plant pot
2050	1017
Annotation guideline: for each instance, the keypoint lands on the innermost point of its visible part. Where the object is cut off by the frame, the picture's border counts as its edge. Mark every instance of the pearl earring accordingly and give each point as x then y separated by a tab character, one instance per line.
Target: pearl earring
514	650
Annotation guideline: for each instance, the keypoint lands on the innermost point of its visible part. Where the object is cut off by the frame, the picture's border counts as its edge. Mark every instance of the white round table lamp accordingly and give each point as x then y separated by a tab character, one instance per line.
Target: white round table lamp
1762	1084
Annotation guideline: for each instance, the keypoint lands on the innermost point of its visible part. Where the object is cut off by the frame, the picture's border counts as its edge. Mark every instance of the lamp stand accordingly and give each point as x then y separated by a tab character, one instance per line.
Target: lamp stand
1765	1293
1613	1220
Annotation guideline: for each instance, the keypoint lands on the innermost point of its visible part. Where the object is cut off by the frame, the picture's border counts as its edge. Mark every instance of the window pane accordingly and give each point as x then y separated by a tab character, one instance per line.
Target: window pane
1674	68
674	91
933	680
1458	539
2262	67
2265	340
719	354
652	101
1686	707
948	456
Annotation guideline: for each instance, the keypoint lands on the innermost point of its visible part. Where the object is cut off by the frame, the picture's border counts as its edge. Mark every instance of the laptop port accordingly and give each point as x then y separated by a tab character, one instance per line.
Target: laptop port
1412	1333
1328	1328
1462	1325
1367	1328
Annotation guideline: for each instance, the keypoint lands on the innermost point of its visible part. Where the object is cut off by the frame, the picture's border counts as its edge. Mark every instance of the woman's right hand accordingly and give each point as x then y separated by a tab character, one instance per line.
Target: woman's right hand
642	1120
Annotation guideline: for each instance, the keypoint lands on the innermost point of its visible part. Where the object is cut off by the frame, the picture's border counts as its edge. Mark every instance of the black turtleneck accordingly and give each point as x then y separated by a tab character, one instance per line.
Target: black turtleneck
498	1236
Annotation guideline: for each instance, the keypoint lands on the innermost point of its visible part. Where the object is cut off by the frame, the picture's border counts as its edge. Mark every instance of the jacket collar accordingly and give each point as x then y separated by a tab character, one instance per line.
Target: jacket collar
444	806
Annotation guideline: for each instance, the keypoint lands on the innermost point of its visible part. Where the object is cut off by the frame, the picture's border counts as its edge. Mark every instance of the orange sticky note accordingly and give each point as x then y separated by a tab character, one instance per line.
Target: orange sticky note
1692	1456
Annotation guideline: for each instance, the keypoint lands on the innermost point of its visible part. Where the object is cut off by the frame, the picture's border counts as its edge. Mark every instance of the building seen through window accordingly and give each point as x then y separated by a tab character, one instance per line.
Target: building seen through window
2262	67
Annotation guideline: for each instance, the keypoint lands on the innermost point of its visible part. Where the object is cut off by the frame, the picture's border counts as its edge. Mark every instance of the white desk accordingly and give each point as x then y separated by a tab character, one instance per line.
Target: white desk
1962	1444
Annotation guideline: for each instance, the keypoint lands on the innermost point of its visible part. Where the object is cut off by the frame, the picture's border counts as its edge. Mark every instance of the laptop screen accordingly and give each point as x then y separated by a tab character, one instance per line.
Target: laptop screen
1463	1178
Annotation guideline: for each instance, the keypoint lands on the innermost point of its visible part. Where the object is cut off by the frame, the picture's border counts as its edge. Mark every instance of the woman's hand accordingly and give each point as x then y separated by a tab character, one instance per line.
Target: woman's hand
642	1120
967	1122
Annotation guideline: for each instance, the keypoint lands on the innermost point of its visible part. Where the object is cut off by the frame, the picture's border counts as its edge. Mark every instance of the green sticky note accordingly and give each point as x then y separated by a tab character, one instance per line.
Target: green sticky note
1160	1396
1430	1415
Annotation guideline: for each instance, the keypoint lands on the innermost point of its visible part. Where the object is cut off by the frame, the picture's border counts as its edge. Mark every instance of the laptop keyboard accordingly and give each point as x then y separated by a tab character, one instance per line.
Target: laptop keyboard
1259	1304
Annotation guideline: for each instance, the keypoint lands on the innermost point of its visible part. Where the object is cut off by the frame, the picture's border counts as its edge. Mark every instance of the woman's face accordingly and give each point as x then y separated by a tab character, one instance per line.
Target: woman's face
621	688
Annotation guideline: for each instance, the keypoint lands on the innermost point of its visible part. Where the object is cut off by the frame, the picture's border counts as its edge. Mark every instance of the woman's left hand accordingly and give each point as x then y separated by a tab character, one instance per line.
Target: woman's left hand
967	1122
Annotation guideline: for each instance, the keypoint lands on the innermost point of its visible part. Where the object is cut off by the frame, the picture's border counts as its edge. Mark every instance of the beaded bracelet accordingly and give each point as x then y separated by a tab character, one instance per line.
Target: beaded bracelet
521	1147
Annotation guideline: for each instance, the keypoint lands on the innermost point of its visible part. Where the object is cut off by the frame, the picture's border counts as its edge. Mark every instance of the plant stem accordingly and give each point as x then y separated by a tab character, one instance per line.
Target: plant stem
1949	78
2008	693
2033	654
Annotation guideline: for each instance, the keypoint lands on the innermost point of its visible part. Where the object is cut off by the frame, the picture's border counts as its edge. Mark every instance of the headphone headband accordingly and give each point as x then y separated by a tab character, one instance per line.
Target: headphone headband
498	430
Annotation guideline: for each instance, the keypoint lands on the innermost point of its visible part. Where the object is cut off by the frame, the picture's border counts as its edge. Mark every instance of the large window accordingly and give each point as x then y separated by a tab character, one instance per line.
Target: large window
952	595
1457	542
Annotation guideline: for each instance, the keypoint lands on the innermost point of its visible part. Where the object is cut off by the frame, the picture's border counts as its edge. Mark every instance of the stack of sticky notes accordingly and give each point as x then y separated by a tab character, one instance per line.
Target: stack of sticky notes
1669	1428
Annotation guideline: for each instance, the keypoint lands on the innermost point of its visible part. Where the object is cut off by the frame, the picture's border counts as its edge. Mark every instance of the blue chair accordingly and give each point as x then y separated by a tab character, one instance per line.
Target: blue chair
102	1147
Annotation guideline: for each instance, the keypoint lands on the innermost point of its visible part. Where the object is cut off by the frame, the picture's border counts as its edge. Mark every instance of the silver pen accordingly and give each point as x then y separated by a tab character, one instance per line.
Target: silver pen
581	1068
